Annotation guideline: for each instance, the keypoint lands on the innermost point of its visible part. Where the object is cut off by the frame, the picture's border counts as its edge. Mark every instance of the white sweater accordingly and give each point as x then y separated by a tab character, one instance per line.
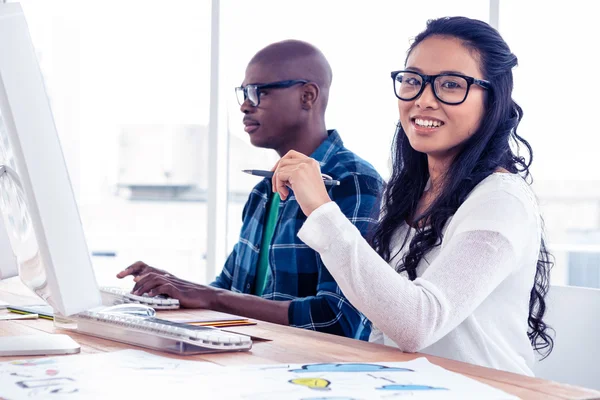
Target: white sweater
470	301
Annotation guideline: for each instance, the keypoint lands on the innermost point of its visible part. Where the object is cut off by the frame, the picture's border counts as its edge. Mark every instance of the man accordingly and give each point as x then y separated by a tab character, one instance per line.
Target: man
271	275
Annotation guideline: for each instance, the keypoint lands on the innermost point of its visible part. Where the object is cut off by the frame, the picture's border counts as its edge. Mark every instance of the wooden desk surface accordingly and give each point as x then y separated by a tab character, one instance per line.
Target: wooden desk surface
291	345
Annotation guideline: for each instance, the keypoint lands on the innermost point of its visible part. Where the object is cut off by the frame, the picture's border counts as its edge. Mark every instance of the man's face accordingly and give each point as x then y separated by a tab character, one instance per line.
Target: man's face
276	119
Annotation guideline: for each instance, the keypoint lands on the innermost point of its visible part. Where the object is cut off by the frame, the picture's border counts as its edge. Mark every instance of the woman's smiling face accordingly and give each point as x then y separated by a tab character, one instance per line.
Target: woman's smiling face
432	127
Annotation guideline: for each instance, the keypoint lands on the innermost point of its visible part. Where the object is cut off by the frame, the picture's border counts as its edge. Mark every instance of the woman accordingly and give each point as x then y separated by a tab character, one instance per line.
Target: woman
460	225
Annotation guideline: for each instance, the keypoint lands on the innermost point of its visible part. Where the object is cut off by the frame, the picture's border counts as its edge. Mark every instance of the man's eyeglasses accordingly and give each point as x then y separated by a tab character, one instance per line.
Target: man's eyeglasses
252	92
448	88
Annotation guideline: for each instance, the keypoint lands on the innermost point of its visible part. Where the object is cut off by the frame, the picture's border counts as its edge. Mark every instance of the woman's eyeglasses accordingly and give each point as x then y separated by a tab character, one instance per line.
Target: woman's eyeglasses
448	88
252	92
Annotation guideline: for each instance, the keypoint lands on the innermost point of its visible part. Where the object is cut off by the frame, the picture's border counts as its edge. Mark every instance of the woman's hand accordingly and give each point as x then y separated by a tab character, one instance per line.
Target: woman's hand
303	175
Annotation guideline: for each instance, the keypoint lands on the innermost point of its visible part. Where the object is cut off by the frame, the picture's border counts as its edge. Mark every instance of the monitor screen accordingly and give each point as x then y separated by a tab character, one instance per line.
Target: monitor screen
36	198
8	261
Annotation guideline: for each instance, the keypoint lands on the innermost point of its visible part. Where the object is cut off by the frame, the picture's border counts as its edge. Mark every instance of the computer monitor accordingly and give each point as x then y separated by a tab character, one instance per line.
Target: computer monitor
8	261
36	198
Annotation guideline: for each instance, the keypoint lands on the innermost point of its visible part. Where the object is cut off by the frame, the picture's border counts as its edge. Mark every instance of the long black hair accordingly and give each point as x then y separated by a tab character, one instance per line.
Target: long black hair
487	150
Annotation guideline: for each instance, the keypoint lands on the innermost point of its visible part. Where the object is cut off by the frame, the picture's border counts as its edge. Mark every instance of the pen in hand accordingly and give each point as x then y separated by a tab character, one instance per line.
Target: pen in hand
327	180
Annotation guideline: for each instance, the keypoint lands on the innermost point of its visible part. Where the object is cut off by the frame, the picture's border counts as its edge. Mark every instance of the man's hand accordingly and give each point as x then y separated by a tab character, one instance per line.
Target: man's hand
189	294
192	295
140	268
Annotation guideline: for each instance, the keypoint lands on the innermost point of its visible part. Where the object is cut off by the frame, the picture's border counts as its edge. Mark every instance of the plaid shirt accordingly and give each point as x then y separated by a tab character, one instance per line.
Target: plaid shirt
296	271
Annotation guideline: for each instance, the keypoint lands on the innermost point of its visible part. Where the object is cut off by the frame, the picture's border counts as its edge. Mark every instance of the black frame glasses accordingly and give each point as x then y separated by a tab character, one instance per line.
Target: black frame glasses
431	79
242	95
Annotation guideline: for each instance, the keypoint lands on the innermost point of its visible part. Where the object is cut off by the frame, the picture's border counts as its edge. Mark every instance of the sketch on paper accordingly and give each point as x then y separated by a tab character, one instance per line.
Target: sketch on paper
86	377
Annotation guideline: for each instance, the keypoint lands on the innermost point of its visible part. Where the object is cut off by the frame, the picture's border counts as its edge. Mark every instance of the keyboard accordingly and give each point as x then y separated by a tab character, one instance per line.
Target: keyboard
112	296
159	334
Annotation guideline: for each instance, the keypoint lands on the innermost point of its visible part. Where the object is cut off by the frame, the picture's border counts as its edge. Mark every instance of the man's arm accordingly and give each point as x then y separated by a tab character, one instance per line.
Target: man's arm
329	311
193	295
251	306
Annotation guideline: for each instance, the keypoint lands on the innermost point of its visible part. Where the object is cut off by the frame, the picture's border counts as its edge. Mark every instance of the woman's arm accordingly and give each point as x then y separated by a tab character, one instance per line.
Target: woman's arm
478	253
415	314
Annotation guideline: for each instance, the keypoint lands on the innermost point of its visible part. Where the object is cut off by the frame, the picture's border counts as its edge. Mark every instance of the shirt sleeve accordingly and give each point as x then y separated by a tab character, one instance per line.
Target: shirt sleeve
473	261
225	279
356	199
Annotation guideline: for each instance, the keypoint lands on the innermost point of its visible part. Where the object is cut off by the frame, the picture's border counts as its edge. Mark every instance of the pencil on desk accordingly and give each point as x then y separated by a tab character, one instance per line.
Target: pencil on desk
223	324
23	312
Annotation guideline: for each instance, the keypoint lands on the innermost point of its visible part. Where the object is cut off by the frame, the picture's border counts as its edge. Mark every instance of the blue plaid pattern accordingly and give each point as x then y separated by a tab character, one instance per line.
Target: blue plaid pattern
296	271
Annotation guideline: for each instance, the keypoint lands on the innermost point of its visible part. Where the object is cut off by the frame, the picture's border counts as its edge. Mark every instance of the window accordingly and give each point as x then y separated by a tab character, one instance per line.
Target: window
128	82
555	85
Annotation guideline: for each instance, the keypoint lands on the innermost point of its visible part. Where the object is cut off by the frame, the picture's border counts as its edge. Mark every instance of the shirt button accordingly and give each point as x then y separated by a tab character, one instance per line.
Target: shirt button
248	286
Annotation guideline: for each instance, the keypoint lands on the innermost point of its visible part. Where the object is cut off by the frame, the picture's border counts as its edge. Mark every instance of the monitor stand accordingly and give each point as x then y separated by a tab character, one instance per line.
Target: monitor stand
38	345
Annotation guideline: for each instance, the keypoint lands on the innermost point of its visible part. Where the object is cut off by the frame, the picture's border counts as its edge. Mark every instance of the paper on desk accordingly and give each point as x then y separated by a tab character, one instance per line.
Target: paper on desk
136	373
417	379
119	374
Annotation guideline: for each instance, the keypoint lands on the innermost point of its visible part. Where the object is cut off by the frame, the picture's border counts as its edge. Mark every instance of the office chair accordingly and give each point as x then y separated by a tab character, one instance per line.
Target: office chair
574	313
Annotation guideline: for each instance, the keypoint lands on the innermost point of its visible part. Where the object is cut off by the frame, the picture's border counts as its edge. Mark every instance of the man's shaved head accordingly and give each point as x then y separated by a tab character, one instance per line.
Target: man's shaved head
295	59
292	116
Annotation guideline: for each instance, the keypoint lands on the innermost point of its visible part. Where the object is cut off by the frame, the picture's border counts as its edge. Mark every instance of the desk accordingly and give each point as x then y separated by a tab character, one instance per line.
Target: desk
291	345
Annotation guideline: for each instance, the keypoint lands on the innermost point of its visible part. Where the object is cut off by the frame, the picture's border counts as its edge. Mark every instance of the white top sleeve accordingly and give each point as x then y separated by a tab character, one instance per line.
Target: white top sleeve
480	249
